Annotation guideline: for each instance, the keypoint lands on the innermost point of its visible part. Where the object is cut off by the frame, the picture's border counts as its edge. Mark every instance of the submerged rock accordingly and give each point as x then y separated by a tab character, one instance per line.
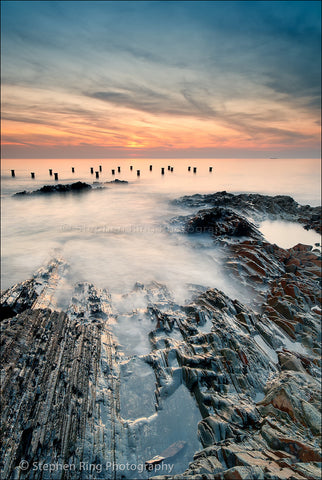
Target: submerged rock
122	182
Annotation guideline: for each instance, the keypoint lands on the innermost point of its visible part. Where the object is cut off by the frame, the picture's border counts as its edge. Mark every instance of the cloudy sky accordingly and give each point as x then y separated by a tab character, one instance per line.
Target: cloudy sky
160	79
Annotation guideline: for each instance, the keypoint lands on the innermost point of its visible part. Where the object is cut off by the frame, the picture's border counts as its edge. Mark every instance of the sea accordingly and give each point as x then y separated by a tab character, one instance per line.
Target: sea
124	233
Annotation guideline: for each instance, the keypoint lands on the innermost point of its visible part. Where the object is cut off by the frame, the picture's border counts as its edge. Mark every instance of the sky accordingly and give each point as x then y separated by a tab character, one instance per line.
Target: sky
178	79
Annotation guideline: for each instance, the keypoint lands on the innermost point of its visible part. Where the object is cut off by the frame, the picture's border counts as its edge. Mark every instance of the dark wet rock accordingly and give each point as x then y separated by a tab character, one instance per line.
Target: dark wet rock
221	222
117	181
17	299
59	188
259	207
50	362
34	293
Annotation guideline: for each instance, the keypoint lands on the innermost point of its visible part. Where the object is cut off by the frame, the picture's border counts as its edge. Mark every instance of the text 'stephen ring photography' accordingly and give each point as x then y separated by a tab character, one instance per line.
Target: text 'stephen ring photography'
161	240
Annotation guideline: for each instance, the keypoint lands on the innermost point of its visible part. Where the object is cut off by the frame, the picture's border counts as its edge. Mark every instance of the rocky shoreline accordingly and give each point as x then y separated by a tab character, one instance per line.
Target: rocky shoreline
259	207
239	384
77	187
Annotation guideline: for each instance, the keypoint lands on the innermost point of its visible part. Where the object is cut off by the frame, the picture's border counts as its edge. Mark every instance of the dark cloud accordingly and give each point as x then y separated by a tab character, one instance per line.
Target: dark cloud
147	100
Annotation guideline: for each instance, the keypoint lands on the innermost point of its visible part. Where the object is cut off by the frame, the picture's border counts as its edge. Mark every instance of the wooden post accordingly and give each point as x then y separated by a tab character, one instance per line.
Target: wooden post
162	171
56	176
189	169
171	169
131	167
210	169
32	175
113	172
150	168
97	174
194	169
13	173
92	170
73	170
138	173
119	169
100	168
50	172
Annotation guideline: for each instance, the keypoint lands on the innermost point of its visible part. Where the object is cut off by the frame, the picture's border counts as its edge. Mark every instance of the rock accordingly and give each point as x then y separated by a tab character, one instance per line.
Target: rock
58	188
291	268
221	222
290	362
312	472
242	473
121	182
302	248
259	207
213	430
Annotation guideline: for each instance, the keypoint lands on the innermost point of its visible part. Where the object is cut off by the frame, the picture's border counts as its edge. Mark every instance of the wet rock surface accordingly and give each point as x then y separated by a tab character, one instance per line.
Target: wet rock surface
125	379
259	207
58	188
221	222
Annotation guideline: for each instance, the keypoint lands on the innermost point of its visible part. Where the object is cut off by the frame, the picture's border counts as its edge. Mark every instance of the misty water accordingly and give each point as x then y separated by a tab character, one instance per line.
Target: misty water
121	234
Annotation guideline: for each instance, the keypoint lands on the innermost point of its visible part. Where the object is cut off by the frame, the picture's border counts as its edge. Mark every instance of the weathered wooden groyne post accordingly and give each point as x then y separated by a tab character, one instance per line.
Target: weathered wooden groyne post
150	168
210	169
131	167
92	170
162	171
32	175
171	169
56	176
194	169
13	173
113	172
100	168
51	172
73	170
138	173
97	175
189	169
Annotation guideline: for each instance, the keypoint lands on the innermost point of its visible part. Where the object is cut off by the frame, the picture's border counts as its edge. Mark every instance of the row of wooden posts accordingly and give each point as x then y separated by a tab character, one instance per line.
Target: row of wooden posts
138	172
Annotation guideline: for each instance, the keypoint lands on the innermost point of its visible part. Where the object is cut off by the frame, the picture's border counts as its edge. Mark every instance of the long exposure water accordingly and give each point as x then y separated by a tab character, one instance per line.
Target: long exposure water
116	236
122	234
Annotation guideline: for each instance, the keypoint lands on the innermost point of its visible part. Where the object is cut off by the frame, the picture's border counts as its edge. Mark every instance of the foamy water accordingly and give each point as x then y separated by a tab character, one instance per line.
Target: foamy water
117	236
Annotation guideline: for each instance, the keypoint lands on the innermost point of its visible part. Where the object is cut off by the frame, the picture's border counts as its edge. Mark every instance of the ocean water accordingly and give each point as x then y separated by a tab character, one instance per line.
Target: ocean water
119	235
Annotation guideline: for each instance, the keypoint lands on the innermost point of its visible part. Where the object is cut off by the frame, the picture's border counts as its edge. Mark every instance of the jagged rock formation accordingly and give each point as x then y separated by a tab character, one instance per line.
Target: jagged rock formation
221	222
259	207
112	382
